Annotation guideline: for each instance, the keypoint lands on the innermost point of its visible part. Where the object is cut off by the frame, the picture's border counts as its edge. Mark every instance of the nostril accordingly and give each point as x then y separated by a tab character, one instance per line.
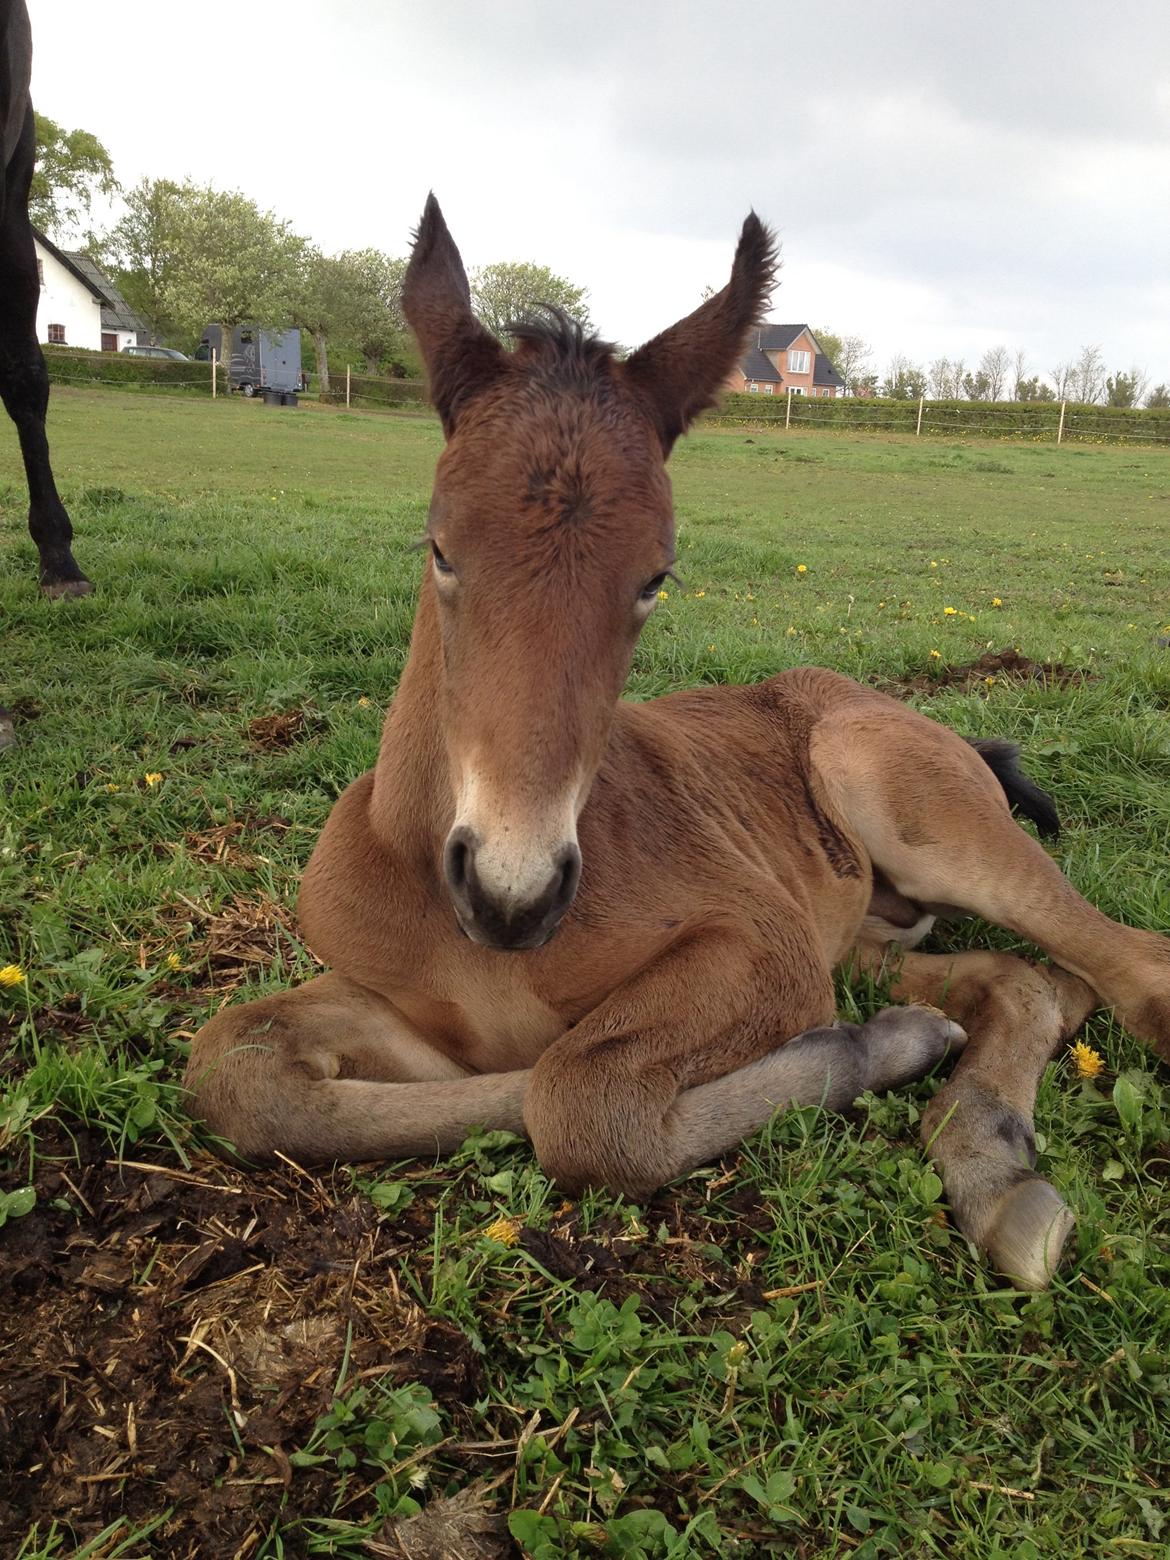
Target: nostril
569	868
457	861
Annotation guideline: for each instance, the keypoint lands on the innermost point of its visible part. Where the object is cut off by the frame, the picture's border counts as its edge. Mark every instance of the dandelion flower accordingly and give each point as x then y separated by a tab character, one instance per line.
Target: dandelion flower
112	787
11	975
792	633
505	1230
934	563
802	568
989	681
664	595
699	594
997	601
949	611
363	703
153	778
174	962
935	656
710	649
1087	1062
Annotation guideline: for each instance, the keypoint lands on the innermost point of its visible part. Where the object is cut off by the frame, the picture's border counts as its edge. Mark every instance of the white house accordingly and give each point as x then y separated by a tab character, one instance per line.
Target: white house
79	306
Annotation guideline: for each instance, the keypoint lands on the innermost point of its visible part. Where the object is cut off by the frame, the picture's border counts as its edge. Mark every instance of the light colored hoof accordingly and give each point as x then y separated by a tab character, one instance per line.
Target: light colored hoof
62	590
1026	1241
905	1043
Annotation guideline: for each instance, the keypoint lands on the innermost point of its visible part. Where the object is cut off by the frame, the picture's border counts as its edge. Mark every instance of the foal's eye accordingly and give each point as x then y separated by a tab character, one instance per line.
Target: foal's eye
440	562
652	587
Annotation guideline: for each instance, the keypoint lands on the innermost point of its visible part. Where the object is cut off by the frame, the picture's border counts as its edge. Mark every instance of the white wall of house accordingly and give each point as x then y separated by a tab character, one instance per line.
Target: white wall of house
66	301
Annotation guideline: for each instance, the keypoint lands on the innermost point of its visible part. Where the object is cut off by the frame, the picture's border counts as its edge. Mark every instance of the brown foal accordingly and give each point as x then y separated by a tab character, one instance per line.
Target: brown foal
705	859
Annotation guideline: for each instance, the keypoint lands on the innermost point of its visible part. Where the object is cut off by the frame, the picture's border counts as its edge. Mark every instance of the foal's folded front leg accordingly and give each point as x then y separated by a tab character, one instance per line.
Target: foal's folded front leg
687	1059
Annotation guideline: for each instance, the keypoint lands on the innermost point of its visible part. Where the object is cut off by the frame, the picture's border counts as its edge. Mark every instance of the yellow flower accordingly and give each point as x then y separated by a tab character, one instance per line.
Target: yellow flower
699	594
989	681
802	568
664	595
710	649
792	633
174	962
113	787
153	778
934	563
935	656
1087	1062
506	1231
949	611
11	975
996	601
363	703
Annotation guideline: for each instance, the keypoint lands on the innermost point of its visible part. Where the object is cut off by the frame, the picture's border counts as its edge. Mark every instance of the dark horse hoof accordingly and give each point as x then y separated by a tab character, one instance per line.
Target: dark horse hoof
57	590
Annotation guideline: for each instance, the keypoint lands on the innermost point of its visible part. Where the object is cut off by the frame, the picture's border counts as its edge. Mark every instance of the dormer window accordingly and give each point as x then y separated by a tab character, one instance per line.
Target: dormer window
798	362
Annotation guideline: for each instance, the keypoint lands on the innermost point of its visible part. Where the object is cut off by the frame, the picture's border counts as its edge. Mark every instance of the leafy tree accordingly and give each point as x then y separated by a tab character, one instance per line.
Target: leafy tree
945	378
72	168
851	361
374	320
904	380
832	346
1033	389
193	254
510	289
977	387
1159	397
1125	389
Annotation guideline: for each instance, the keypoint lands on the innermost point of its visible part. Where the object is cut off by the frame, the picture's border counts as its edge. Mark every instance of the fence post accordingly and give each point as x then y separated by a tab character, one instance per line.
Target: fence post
1060	426
788	408
213	386
921	403
347	384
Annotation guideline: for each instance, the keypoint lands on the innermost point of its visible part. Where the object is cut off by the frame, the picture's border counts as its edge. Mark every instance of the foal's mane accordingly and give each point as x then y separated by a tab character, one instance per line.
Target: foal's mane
558	345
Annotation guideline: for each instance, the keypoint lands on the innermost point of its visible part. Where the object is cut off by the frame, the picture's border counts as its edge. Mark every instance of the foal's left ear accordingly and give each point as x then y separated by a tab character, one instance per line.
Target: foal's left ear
461	357
679	373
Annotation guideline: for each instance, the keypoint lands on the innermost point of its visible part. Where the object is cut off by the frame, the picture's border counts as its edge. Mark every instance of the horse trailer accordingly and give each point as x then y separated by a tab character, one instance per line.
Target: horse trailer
258	360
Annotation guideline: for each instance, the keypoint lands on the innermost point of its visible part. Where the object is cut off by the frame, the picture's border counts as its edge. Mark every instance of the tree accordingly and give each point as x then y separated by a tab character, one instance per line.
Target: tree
946	379
1126	389
1159	397
832	346
994	364
510	289
1033	389
853	364
1062	378
1088	376
904	380
196	255
1018	379
72	168
977	387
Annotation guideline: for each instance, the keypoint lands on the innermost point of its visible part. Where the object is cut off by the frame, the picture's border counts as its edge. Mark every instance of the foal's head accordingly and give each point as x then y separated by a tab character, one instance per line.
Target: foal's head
551	532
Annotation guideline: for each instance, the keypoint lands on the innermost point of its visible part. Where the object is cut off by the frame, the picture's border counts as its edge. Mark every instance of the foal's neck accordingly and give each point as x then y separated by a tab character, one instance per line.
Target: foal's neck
410	809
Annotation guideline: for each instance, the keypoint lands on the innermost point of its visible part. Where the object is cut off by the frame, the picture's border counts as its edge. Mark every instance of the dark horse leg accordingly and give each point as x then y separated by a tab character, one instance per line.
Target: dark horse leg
24	380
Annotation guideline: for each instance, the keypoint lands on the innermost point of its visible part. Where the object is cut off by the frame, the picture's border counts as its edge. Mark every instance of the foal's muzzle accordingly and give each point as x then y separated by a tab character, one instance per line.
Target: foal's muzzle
498	913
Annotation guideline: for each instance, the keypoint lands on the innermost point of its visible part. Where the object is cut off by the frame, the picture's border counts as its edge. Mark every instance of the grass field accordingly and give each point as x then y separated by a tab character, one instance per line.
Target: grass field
791	1352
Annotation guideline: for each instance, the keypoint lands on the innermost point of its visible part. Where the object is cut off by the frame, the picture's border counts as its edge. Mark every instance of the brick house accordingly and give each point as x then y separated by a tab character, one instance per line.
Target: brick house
781	357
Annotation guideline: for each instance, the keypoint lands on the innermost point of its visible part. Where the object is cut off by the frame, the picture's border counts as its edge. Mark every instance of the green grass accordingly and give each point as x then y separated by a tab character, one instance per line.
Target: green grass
900	1401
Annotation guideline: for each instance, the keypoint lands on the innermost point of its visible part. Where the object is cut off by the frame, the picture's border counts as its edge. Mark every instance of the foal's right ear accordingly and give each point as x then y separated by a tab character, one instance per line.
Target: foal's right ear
461	357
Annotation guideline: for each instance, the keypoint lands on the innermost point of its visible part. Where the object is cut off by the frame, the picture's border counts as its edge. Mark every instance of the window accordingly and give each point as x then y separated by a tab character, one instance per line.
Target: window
40	271
795	389
798	362
754	388
57	335
768	389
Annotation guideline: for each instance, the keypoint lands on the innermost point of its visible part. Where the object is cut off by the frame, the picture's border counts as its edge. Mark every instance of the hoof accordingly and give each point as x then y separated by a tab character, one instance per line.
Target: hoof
1027	1238
905	1043
58	590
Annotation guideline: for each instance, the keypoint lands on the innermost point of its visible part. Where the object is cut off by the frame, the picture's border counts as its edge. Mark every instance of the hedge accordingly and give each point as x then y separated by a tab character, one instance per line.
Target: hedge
1038	420
79	366
367	391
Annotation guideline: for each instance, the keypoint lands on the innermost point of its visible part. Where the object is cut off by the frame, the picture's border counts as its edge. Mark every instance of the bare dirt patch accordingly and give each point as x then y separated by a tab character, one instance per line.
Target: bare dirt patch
1004	666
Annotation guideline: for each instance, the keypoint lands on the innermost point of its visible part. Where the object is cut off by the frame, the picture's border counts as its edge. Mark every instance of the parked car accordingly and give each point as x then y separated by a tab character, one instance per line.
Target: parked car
157	352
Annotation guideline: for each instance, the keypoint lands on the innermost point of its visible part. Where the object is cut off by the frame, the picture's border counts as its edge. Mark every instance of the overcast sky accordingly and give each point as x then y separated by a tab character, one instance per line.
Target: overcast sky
943	177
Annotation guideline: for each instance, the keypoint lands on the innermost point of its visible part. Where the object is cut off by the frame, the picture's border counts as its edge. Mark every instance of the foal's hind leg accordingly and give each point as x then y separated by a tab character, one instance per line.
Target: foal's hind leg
934	820
978	1128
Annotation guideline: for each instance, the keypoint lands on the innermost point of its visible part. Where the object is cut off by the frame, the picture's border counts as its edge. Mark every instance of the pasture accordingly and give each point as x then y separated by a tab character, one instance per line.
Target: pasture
789	1352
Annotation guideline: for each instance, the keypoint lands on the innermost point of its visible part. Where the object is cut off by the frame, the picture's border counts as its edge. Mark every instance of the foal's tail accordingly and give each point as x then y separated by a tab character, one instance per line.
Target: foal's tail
1025	796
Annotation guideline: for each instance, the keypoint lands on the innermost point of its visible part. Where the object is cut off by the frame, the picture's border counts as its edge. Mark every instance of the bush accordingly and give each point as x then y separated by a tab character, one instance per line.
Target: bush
79	366
982	419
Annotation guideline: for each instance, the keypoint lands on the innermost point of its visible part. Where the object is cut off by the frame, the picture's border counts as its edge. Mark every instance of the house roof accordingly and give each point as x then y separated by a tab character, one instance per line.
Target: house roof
754	365
824	373
116	312
70	264
774	338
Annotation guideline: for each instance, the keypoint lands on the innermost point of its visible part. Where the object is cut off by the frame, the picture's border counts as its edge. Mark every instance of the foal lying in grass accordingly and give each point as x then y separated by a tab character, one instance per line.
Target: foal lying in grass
704	860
